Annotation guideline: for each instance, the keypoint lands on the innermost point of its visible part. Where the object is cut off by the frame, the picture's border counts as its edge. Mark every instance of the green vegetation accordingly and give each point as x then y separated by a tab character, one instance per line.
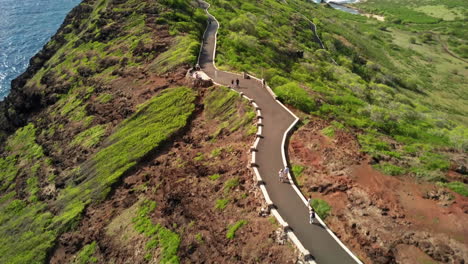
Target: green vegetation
297	170
406	98
231	184
227	107
292	94
232	229
8	171
199	237
154	123
102	43
159	237
321	207
85	256
90	137
389	169
199	157
30	227
214	177
216	152
329	131
185	51
221	204
458	187
105	98
297	173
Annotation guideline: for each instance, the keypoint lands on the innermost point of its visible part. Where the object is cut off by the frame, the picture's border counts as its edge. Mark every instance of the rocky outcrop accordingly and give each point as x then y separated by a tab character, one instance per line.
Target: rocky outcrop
25	100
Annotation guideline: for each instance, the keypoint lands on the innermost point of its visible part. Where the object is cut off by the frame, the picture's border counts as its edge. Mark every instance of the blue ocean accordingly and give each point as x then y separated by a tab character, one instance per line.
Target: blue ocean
25	26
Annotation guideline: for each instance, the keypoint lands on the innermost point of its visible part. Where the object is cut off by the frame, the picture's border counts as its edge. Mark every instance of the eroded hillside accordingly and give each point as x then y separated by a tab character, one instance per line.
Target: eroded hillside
106	155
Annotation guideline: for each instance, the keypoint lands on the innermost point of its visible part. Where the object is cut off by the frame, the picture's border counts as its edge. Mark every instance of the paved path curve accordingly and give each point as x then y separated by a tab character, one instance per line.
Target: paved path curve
277	120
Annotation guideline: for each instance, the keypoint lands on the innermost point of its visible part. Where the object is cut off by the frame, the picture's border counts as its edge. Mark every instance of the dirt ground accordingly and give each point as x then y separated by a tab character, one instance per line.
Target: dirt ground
177	179
381	218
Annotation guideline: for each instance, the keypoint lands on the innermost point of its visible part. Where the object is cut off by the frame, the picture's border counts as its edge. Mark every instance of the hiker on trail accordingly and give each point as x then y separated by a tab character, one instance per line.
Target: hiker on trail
308	202
232	83
312	216
237	82
286	172
280	174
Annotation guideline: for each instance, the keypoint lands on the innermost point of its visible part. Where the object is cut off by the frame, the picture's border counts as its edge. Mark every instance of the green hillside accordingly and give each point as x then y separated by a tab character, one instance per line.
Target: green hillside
408	100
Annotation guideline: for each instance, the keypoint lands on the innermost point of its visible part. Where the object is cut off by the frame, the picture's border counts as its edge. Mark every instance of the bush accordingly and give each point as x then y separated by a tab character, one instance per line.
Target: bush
322	208
233	228
390	169
458	187
294	95
221	204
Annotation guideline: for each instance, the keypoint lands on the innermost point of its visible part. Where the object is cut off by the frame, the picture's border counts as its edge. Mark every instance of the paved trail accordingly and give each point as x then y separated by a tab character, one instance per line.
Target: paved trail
323	247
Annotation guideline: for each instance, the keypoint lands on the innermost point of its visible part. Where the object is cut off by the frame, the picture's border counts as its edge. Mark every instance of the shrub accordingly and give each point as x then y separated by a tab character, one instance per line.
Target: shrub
85	256
390	169
214	177
159	236
233	228
322	208
221	204
297	170
231	184
294	95
458	187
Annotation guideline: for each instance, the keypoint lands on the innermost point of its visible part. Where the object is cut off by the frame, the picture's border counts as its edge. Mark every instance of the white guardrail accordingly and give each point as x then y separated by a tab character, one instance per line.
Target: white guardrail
254	150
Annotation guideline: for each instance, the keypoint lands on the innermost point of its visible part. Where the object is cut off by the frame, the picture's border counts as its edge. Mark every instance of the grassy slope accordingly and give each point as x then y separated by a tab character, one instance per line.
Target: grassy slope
29	229
387	91
112	37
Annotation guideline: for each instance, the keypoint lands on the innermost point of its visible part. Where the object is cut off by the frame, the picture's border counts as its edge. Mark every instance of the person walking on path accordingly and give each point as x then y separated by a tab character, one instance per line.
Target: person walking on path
309	205
311	215
232	83
286	172
237	82
280	174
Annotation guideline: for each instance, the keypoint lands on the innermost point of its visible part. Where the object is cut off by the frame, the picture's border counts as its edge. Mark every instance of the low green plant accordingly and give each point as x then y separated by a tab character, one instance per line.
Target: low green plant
329	131
389	169
298	169
8	171
232	229
294	95
214	177
105	98
85	256
229	109
221	204
90	137
199	237
159	236
199	157
322	208
458	187
231	184
216	152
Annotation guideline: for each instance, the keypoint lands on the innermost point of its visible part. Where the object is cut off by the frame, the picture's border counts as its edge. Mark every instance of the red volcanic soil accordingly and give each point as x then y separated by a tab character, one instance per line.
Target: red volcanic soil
179	181
381	218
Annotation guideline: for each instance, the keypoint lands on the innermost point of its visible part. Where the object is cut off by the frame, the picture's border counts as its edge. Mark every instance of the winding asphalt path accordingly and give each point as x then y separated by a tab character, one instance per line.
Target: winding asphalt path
276	121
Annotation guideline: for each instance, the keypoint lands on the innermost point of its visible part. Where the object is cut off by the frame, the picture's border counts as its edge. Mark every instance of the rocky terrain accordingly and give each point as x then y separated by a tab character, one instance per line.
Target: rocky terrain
106	155
383	219
201	185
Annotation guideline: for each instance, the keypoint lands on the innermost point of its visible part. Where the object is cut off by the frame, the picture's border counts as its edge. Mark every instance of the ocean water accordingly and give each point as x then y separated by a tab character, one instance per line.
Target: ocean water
25	26
340	7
